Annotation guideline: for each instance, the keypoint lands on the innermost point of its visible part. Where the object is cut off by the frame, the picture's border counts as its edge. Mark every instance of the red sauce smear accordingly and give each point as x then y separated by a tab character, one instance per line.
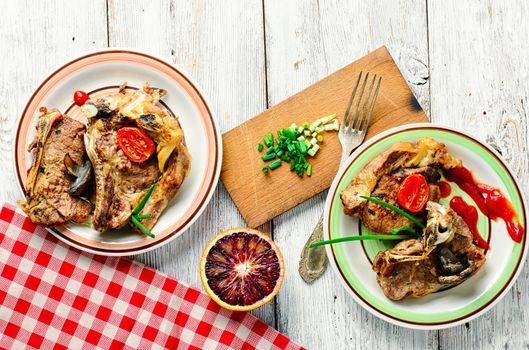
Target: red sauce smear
470	215
445	188
489	200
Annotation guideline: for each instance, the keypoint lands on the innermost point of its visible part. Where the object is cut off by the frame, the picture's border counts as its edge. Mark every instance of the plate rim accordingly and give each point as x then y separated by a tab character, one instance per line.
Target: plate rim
330	254
216	129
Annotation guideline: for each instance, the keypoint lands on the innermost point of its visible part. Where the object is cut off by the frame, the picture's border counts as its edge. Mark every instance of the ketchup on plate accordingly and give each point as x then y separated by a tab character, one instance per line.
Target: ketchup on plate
490	201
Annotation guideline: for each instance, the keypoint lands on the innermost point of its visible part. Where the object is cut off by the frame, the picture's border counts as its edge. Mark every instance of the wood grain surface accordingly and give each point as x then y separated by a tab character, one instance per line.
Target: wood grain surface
262	196
466	62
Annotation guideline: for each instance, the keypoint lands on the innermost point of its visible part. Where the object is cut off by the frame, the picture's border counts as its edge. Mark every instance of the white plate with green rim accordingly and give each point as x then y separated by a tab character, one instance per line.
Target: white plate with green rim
451	307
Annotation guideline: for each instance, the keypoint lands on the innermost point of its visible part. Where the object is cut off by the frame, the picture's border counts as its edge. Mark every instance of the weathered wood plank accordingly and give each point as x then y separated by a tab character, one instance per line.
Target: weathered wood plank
479	69
35	38
307	40
221	45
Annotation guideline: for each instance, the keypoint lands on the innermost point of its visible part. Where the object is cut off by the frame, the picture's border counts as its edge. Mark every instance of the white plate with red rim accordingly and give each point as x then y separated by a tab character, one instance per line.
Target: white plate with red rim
352	260
99	73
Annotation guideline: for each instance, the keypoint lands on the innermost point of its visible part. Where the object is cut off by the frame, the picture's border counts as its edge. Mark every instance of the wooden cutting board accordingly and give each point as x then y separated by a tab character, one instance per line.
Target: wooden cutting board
262	196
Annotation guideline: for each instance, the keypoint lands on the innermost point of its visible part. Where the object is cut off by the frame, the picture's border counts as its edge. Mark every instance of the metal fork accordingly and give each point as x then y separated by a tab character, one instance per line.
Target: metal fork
352	133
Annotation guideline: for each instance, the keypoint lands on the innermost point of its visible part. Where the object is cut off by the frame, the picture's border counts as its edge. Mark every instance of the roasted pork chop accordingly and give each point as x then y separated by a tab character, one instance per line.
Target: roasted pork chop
48	201
382	220
425	152
121	183
444	257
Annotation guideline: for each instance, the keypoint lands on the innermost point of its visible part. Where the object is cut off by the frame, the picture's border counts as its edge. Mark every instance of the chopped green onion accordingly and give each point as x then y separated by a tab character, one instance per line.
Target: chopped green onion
395	209
309	170
319	129
275	164
306	132
292	165
265	169
396	230
267	141
360	238
285	158
260	147
279	153
144	200
313	141
270	150
329	118
314	134
305	125
302	147
313	150
143	216
301	138
141	227
289	133
268	157
319	138
300	129
317	123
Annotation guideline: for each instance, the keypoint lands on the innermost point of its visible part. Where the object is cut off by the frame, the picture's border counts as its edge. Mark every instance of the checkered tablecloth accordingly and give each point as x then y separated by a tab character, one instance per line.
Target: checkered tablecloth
56	297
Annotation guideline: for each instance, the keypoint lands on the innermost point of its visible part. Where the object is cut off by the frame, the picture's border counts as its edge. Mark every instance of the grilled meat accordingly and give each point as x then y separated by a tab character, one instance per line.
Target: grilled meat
48	200
444	257
425	152
382	220
120	183
178	167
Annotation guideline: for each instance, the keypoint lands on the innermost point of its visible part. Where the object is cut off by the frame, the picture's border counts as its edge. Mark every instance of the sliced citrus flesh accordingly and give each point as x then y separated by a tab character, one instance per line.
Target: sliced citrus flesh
241	269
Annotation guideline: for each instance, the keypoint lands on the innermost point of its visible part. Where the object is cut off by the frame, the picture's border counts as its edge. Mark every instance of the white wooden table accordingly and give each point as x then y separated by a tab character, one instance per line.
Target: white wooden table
467	63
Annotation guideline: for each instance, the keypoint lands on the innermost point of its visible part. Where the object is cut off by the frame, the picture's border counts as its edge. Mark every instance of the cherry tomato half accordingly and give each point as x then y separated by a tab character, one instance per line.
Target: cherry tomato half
80	97
136	145
413	193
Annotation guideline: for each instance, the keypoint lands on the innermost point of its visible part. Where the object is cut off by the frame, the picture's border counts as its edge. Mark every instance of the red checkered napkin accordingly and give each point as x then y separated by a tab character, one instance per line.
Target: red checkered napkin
55	297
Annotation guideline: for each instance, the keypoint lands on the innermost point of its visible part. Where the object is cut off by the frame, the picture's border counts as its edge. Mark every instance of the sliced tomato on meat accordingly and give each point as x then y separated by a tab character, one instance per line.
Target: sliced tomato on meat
413	193
136	145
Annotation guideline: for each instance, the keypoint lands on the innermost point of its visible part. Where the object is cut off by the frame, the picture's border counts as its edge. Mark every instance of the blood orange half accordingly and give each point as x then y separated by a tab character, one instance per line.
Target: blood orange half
242	269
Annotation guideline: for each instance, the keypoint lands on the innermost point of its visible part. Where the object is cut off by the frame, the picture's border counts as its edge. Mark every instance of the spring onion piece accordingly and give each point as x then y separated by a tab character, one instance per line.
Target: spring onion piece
319	138
260	147
309	170
144	200
143	216
361	238
396	230
395	209
267	141
265	169
313	150
141	227
268	157
275	164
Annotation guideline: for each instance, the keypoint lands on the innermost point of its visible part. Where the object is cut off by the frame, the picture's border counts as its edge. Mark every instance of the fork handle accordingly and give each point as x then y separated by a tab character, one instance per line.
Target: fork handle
313	261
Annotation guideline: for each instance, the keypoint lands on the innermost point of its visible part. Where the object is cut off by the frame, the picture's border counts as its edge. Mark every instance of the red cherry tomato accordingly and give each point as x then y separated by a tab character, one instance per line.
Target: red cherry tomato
80	97
413	193
136	145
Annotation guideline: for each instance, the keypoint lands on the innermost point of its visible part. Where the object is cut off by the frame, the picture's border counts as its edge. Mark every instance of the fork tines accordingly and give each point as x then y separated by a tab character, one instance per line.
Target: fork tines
357	121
